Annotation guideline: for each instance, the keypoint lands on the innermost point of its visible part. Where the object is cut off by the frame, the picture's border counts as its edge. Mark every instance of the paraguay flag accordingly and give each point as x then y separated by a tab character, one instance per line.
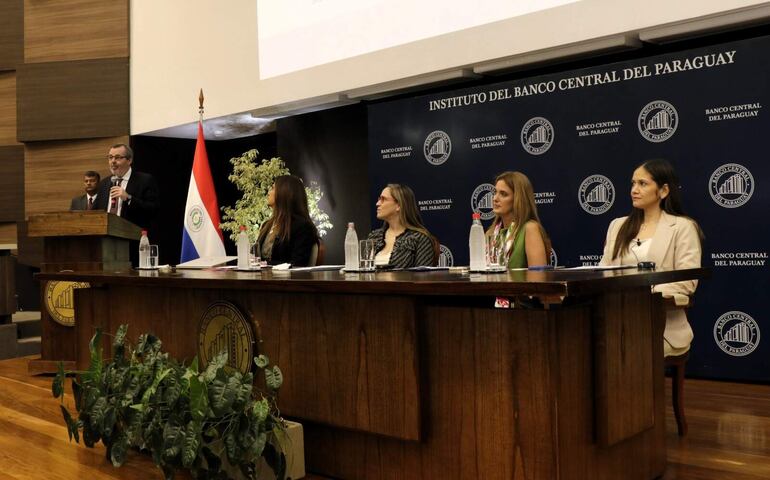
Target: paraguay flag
201	236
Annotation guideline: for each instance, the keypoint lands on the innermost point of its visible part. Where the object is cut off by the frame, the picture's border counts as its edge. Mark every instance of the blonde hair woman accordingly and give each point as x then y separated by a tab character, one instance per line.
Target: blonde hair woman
517	230
402	241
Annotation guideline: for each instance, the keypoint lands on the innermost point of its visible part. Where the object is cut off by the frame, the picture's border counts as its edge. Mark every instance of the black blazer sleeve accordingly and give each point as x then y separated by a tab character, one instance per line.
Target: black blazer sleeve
145	199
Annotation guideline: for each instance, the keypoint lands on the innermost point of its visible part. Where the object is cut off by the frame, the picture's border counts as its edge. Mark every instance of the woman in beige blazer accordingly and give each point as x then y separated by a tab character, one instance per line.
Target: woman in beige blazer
657	230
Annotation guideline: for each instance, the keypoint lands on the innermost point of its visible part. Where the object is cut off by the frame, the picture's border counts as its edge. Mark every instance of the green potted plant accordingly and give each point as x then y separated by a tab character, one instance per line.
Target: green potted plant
254	179
211	421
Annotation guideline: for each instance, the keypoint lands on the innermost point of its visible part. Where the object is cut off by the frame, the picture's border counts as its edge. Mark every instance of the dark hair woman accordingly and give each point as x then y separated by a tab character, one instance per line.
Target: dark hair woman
657	230
517	230
289	235
402	241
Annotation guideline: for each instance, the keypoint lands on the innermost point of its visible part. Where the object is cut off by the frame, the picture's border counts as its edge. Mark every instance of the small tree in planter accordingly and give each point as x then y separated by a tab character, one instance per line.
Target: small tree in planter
254	179
211	422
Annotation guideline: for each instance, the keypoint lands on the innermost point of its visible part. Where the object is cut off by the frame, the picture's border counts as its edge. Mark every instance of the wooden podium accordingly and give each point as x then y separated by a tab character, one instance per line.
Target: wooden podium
73	241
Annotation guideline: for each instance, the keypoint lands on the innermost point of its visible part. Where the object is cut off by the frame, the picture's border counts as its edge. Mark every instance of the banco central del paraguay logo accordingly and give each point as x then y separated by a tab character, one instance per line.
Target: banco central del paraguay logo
437	147
481	200
731	185
658	121
537	136
596	194
736	333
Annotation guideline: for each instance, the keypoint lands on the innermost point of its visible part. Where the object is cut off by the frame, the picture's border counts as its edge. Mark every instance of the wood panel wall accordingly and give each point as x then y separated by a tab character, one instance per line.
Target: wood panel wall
11	183
11	34
54	170
69	100
70	97
64	30
11	153
8	108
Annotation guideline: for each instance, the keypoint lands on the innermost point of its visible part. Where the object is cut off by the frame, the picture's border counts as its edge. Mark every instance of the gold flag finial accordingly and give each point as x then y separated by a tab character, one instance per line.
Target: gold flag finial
200	102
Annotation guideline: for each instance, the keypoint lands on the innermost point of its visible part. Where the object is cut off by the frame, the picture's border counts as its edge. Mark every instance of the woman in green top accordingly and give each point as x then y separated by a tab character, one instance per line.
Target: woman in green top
519	236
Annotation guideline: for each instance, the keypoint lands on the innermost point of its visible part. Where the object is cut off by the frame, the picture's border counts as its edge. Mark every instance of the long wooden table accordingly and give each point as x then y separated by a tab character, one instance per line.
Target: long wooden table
418	375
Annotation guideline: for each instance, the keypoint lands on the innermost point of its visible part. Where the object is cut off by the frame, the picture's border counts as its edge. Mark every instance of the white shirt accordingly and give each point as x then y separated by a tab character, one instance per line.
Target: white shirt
640	248
123	183
382	258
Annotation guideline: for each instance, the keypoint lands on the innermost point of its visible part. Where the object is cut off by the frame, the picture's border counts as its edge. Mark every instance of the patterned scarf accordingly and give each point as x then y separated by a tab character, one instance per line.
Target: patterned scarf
506	239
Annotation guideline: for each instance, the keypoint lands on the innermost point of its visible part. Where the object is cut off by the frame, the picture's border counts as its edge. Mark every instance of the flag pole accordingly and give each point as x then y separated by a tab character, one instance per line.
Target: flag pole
200	107
201	235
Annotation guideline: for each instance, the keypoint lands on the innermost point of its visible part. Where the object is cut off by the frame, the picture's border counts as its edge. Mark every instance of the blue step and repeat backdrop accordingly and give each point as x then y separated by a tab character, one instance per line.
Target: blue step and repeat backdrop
578	136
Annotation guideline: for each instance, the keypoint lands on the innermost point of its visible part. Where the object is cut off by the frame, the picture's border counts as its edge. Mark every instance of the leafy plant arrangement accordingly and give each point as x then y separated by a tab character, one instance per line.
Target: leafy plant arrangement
254	179
211	422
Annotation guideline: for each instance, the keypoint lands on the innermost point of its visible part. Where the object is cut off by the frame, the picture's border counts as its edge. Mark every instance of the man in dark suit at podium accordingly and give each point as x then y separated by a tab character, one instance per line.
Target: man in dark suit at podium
127	193
87	201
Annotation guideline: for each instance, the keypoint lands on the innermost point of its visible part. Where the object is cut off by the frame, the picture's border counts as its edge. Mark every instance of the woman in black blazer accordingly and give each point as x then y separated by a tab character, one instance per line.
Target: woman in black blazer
289	235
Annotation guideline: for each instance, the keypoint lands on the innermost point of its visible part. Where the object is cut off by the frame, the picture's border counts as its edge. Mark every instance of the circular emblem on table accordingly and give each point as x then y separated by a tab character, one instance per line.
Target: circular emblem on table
60	301
437	147
223	327
195	218
537	135
736	333
481	200
658	121
596	194
731	185
553	259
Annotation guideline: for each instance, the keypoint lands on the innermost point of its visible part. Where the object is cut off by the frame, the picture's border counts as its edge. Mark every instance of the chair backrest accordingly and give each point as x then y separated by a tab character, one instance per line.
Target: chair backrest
317	254
313	256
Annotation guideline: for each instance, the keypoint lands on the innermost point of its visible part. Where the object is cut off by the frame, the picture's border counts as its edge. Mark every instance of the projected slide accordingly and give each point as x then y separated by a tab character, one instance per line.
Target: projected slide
299	34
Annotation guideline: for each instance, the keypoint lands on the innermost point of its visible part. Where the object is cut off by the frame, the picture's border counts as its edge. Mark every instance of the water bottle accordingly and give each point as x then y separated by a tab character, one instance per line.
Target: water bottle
351	248
476	244
144	250
243	247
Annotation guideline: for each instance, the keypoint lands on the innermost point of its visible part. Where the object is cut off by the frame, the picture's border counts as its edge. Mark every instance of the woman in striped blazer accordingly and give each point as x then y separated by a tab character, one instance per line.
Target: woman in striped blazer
402	241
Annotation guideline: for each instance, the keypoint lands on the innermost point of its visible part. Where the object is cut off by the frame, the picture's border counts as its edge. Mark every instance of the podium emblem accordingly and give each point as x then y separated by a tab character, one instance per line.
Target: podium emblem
60	301
223	327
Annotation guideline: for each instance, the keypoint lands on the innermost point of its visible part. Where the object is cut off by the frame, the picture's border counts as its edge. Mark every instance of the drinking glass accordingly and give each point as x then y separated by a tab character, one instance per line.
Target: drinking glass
153	257
254	260
366	255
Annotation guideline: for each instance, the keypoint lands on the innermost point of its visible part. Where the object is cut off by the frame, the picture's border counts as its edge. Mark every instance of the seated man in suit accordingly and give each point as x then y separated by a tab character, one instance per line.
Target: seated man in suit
127	193
88	199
